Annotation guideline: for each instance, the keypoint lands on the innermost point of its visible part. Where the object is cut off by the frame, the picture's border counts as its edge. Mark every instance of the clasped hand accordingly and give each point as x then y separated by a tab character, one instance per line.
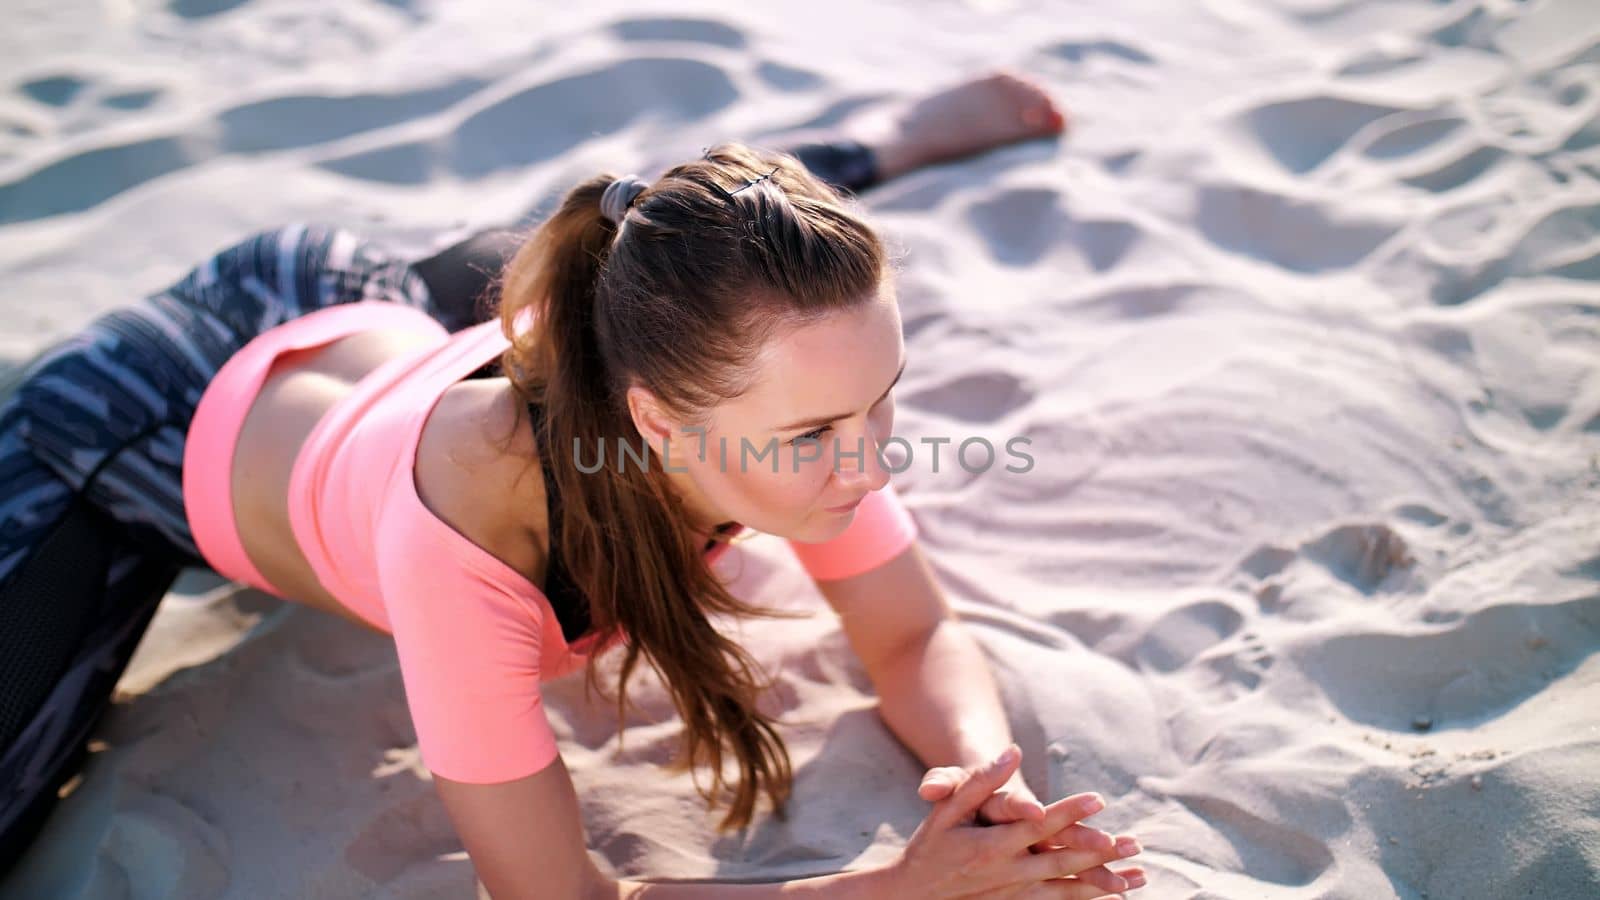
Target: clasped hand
1013	845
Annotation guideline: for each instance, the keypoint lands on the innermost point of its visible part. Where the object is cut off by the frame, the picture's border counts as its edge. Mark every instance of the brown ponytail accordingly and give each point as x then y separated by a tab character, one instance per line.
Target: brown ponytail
678	298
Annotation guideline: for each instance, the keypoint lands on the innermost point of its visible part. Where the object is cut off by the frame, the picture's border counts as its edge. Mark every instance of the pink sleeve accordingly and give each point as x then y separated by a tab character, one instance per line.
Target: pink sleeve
469	659
881	530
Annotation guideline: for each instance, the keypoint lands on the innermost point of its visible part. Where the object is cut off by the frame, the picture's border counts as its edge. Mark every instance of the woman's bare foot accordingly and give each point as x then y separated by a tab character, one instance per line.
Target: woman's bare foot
989	111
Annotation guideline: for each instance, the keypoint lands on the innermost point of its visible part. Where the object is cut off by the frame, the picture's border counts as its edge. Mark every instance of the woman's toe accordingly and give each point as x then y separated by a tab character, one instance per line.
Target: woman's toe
1043	116
1039	111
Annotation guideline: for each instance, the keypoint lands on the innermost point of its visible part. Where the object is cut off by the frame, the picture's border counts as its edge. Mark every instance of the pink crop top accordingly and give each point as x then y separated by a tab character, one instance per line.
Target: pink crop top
474	636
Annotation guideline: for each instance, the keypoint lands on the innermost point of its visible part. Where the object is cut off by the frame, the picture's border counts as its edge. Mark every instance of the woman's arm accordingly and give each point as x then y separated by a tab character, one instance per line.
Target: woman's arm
935	689
525	839
866	884
937	694
934	686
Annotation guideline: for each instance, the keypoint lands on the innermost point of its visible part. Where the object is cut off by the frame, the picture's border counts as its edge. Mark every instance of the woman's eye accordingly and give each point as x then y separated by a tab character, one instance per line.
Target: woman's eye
812	435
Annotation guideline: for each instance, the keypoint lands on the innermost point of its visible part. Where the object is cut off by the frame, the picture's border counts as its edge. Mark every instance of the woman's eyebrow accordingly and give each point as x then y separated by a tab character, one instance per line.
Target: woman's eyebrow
811	423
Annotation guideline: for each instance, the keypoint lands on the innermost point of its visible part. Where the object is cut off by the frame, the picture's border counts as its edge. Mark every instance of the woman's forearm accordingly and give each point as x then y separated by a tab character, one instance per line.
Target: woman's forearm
940	699
864	884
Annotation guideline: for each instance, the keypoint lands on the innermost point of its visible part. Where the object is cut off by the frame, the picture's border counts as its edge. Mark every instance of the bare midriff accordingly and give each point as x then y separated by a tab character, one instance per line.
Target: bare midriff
300	388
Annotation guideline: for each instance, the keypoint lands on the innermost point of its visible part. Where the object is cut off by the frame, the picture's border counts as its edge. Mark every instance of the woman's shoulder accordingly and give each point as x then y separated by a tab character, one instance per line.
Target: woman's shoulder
477	470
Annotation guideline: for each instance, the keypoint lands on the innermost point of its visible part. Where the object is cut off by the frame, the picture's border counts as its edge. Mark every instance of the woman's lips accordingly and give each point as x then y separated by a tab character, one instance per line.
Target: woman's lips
848	506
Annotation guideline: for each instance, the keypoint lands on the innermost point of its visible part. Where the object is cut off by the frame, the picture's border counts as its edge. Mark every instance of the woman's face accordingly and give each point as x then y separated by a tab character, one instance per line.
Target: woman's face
802	443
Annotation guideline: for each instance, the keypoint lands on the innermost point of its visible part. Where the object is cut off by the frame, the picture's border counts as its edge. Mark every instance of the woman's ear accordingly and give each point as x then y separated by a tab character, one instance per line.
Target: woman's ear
650	418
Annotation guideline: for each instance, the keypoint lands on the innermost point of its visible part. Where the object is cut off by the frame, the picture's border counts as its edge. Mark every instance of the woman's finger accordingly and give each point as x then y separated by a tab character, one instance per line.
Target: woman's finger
1022	806
1066	889
1010	806
939	782
1076	835
963	803
1109	881
1016	837
1135	877
1062	863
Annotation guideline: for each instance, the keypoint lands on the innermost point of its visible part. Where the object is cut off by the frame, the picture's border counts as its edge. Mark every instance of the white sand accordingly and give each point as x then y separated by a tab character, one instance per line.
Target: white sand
1302	321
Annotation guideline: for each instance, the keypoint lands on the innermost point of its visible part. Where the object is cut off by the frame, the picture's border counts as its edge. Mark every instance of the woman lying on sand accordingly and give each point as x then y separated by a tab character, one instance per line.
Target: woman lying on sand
344	429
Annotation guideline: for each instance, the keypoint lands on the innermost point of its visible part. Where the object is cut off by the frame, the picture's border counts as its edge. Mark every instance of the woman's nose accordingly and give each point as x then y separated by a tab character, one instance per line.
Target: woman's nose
859	466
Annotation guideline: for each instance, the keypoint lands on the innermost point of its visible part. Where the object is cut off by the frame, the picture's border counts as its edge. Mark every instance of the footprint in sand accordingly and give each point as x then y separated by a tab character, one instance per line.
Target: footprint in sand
1460	171
415	821
1203	643
1563	244
1458	675
680	29
302	120
788	78
1078	51
500	136
53	90
334	650
1024	226
110	837
1306	234
505	135
1267	560
1507	243
1266	844
1422	514
202	9
493	139
1239	665
1361	554
130	101
1302	133
95	174
1474	29
1176	638
280	123
155	839
979	398
1407	134
1381	60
